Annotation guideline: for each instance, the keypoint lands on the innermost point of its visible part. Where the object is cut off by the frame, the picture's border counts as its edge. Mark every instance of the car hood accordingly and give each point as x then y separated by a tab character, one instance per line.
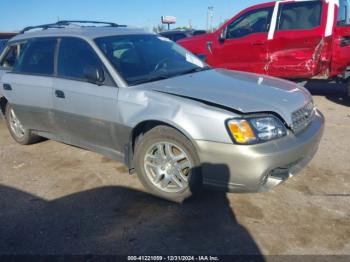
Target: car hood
243	92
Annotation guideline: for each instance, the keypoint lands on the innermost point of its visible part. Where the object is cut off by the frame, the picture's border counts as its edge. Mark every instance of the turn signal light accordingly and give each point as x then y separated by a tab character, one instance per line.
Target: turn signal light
241	131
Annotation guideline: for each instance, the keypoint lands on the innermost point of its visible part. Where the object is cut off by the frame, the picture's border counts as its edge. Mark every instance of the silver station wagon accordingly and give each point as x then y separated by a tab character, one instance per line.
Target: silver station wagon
140	98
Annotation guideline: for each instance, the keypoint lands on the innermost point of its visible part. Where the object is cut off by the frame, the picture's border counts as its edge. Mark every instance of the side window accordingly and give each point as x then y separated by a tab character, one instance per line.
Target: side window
300	16
74	56
12	56
256	21
342	13
38	57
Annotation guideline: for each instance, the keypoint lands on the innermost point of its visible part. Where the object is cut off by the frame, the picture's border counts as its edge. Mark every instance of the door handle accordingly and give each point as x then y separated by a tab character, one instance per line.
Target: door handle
258	43
7	87
344	41
60	94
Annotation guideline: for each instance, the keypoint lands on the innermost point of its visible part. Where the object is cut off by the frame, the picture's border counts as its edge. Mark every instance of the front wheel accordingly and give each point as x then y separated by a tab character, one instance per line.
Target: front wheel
167	164
20	134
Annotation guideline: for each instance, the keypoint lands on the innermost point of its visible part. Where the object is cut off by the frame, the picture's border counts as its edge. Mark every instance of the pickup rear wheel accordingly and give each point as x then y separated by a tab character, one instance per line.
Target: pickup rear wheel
20	134
167	164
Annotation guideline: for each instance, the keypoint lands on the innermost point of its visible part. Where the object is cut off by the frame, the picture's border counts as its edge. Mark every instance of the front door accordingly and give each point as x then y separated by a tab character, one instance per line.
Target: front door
85	113
244	46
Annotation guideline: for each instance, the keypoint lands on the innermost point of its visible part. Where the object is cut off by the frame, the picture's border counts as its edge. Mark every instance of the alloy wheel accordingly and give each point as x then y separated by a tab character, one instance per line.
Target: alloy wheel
15	125
168	167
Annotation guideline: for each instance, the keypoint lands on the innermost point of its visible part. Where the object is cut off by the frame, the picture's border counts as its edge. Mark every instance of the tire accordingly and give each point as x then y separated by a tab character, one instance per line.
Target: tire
26	137
156	167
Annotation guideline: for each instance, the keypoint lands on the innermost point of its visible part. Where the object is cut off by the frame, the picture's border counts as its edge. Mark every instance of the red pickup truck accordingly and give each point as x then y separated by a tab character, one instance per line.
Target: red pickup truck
293	39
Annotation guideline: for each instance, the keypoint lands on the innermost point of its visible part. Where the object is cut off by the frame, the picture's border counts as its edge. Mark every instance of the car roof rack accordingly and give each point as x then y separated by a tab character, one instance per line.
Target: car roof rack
66	23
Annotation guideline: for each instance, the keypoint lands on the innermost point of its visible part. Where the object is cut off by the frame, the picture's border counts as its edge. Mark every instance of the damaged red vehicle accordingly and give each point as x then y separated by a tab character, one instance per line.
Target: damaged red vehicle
300	39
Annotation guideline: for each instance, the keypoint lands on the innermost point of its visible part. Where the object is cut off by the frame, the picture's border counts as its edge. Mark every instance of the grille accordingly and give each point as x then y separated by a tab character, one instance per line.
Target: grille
303	117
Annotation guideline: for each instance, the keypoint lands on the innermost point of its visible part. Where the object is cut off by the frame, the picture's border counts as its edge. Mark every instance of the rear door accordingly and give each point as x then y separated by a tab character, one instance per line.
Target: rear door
341	47
245	45
27	82
298	40
85	113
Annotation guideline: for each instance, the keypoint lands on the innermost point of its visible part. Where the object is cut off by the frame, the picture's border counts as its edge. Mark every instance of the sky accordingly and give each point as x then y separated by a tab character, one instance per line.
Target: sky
17	14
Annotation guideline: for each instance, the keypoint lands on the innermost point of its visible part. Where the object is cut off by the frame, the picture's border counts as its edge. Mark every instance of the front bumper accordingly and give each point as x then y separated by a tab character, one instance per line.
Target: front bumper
257	168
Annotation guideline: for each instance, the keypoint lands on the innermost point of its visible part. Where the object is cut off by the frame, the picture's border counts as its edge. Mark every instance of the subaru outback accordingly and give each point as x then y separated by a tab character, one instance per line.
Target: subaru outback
142	99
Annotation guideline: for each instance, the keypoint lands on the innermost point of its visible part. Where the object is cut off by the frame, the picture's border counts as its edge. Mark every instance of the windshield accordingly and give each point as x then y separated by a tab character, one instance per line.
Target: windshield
146	58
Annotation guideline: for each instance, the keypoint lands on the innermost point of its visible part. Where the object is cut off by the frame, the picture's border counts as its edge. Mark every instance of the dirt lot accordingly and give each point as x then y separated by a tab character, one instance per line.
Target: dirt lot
56	199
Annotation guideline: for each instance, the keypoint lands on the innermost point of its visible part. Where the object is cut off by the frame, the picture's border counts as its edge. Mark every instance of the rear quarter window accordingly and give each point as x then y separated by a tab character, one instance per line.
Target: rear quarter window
300	16
12	55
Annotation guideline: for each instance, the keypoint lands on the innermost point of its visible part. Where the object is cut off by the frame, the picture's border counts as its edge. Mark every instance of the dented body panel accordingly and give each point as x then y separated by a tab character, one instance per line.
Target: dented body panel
199	111
341	50
320	52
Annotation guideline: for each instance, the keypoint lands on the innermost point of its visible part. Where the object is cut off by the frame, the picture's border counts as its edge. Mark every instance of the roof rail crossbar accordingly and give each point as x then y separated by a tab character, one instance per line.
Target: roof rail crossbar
65	23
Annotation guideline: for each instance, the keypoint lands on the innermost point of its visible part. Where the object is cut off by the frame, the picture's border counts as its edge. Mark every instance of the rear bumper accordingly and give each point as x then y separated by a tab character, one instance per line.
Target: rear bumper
257	168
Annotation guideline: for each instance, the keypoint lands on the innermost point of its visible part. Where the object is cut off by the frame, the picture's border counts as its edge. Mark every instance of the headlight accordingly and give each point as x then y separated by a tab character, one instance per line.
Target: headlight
255	130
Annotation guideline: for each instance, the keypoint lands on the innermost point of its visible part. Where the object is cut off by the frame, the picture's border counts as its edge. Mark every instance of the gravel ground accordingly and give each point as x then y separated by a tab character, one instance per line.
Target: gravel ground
57	199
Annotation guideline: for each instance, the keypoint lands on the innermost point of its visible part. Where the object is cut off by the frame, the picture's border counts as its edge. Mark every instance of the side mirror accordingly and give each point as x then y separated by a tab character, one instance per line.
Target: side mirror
94	74
222	36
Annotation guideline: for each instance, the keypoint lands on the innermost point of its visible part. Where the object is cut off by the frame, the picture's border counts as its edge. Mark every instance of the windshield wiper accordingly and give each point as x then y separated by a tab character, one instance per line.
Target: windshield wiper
151	79
155	78
194	70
